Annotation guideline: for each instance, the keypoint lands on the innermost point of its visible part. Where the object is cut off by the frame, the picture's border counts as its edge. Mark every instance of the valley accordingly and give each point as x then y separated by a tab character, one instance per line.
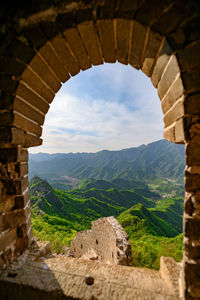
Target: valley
149	208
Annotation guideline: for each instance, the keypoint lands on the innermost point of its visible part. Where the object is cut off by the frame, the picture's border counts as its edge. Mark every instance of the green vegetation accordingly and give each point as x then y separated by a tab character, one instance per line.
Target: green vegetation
149	237
153	223
156	163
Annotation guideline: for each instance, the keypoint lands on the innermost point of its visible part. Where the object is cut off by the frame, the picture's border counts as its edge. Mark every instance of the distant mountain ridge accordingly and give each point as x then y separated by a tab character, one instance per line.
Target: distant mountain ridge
160	159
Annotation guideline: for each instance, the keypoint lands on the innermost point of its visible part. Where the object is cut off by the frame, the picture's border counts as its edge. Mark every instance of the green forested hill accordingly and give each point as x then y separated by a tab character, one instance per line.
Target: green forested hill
147	163
57	215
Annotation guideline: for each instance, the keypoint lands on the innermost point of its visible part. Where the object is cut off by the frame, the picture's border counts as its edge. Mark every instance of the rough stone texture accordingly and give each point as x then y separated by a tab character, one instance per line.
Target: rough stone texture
161	63
107	40
75	43
154	45
106	242
169	75
91	41
170	271
15	221
139	36
122	32
174	93
39	274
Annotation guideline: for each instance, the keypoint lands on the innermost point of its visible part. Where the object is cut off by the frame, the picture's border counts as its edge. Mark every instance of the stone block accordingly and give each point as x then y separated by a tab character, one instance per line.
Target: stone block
84	14
90	39
40	66
65	20
175	91
153	47
7	203
50	28
23	155
192	275
179	132
194	133
188	205
189	57
167	264
65	54
27	124
185	34
171	17
170	73
13	170
6	101
107	40
139	35
6	238
8	84
149	16
192	182
193	154
127	8
11	220
34	82
11	66
175	112
192	228
193	169
175	132
35	35
13	187
75	43
24	108
191	80
21	51
17	136
6	118
161	63
106	10
53	61
122	30
192	104
22	200
32	140
169	133
195	198
23	168
21	244
192	252
13	154
24	92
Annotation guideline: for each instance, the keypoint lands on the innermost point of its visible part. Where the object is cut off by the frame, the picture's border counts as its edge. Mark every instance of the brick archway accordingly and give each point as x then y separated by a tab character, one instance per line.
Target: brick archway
43	46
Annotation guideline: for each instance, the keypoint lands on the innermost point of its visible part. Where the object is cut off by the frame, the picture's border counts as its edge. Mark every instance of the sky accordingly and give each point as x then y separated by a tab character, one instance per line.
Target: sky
111	106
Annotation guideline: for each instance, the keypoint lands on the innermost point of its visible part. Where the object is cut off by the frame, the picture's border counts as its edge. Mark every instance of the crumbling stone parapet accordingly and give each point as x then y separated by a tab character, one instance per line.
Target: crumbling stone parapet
106	242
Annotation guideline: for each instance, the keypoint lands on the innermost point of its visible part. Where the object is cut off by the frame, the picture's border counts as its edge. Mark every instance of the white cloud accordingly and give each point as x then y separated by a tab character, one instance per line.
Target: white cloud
84	124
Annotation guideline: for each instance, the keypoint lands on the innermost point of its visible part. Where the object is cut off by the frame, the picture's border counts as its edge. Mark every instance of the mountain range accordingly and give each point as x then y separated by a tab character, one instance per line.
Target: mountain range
147	163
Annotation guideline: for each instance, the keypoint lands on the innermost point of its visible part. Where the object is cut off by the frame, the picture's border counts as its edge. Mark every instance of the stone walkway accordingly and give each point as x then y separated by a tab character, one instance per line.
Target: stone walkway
38	274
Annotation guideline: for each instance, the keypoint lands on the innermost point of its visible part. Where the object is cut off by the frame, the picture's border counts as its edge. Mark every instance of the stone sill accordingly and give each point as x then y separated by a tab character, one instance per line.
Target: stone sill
38	274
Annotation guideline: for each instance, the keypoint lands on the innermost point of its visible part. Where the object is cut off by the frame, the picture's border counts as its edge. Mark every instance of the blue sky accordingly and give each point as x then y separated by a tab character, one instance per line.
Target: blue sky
111	106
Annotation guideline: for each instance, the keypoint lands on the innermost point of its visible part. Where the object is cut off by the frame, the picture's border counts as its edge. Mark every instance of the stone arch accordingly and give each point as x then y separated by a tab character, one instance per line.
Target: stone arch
43	45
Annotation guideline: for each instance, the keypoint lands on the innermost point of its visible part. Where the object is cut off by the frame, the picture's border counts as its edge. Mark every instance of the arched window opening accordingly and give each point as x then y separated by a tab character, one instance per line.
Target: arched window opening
103	155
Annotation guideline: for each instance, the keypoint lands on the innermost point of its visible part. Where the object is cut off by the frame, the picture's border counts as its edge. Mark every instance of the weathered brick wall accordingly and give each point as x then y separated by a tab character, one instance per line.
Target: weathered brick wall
15	219
106	242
